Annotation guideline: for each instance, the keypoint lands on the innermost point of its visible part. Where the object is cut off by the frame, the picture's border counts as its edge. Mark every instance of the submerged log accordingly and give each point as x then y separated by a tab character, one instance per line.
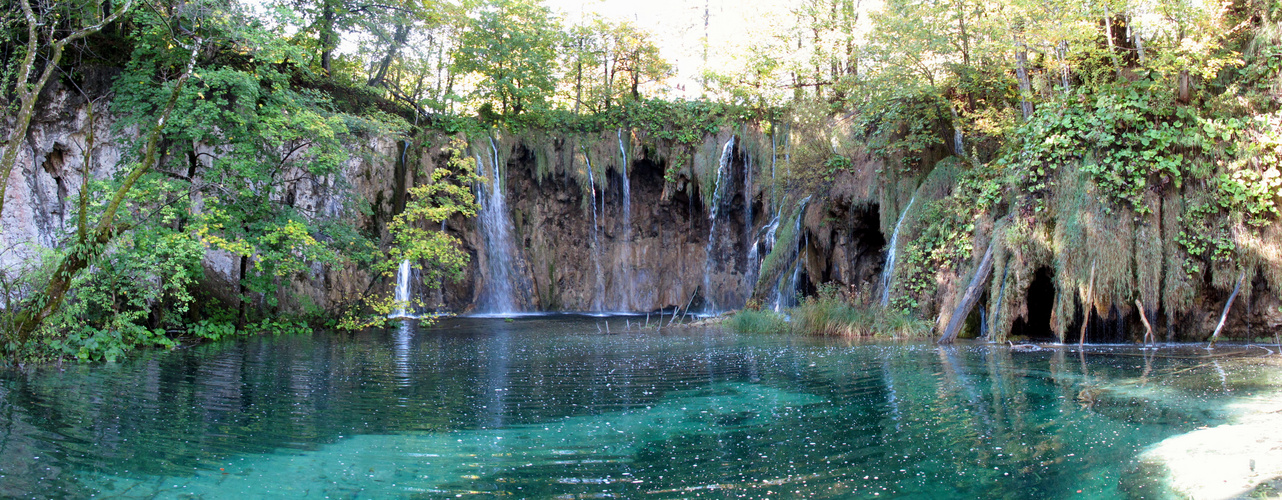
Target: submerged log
969	299
1227	305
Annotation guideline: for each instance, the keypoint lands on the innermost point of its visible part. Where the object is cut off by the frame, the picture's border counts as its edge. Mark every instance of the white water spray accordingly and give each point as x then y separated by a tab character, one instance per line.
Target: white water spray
402	291
496	230
597	304
714	211
888	272
625	262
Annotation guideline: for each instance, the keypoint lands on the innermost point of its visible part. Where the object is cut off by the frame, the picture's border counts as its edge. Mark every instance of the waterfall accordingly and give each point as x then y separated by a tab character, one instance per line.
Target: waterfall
402	291
625	262
596	242
761	245
889	271
766	238
785	298
714	211
750	272
496	230
774	158
958	148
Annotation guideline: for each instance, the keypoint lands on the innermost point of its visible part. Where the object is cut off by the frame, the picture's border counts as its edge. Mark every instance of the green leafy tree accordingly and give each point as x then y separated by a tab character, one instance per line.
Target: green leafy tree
91	243
416	238
512	46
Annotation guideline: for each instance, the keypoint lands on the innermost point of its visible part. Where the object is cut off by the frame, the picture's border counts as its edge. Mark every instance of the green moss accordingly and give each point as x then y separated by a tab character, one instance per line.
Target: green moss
938	233
781	254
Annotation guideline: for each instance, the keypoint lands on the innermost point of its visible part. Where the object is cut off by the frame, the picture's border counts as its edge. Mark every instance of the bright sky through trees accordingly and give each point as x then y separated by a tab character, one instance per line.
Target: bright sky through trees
733	27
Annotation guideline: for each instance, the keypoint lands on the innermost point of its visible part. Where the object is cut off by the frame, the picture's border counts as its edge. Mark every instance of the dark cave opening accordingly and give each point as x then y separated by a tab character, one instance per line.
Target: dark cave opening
1040	300
868	258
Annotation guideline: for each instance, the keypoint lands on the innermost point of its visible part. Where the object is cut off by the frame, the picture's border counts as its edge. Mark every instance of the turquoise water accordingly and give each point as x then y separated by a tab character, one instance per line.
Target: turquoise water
547	407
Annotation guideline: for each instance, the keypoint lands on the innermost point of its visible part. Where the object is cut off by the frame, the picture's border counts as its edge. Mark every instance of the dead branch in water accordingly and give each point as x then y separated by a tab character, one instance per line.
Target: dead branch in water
1089	306
1227	305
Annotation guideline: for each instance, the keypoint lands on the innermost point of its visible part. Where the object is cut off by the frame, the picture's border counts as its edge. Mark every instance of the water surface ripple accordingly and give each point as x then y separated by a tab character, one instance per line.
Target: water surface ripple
547	407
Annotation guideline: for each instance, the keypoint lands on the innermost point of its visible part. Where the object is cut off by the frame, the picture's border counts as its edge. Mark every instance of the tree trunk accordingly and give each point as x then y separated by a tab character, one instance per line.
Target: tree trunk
1089	306
1062	49
1227	306
973	291
608	91
28	93
1148	328
578	78
399	37
636	85
328	38
961	26
1021	72
1184	92
1108	34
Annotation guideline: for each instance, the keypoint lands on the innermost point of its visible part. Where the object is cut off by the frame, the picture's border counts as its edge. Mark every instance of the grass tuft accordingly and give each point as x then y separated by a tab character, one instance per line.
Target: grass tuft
831	313
750	321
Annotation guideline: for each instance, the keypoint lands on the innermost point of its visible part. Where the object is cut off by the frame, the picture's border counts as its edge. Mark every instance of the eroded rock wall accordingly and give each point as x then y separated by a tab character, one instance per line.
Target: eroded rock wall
44	189
667	254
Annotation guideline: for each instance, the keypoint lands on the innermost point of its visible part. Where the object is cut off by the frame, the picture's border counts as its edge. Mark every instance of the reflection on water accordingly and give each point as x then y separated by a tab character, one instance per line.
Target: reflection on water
546	406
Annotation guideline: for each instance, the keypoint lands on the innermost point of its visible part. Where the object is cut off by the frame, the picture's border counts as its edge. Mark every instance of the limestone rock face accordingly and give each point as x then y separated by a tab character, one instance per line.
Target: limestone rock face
658	258
44	189
47	178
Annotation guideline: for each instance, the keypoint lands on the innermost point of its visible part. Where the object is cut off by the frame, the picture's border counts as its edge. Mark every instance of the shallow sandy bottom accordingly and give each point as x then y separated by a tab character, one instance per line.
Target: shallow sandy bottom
1239	459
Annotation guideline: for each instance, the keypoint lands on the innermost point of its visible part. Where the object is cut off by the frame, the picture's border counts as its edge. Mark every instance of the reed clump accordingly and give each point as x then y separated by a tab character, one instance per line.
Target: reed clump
832	316
833	312
758	321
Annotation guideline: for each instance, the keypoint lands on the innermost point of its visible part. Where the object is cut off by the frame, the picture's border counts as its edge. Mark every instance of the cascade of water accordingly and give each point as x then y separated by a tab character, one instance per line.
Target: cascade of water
402	290
629	287
888	272
750	275
784	295
796	271
597	304
958	147
983	323
496	230
714	211
767	236
774	158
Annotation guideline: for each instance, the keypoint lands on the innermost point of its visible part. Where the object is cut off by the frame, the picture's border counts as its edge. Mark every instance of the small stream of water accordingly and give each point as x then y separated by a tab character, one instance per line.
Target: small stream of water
888	271
625	260
714	213
598	298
